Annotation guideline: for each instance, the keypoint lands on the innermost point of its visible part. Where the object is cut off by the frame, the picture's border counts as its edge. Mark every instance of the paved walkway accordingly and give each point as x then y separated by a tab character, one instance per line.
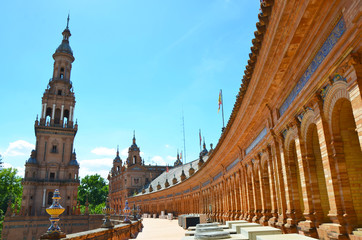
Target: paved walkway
161	229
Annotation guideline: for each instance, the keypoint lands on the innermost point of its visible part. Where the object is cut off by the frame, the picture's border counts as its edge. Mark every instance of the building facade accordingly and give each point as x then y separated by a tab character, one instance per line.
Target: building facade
128	178
290	156
53	165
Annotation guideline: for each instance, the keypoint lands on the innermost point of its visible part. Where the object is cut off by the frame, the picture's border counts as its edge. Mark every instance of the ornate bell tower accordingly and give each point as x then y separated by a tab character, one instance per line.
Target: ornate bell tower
53	165
134	156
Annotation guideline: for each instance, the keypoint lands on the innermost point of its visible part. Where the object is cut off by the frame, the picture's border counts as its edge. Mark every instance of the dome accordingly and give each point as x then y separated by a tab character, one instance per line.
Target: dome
32	158
117	159
74	163
64	47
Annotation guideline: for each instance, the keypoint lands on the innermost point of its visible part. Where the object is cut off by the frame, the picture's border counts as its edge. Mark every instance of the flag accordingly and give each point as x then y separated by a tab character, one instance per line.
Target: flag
200	136
220	101
181	155
167	168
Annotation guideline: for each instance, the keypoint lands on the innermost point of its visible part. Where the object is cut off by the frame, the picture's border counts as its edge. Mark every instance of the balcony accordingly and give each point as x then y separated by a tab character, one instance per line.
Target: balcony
62	181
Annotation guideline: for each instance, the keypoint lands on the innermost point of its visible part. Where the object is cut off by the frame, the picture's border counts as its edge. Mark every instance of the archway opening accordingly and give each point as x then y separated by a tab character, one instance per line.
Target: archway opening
317	178
349	152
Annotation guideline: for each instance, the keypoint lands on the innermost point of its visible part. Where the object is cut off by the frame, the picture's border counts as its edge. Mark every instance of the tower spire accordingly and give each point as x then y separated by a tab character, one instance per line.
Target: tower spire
68	22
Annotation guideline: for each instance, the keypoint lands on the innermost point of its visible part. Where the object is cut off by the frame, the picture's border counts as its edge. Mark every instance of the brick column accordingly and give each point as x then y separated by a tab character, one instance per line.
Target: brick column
354	79
277	152
307	226
257	199
329	149
272	184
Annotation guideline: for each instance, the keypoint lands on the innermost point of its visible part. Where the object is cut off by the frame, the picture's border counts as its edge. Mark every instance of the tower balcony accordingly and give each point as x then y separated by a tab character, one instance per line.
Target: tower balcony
67	125
58	79
61	181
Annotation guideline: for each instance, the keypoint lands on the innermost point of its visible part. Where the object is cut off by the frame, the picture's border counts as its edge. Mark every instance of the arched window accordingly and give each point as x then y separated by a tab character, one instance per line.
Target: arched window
50	198
66	117
134	159
57	116
48	115
61	73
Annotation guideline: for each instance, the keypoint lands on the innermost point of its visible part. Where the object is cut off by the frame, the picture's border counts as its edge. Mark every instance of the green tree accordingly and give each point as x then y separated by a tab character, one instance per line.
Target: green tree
10	187
95	188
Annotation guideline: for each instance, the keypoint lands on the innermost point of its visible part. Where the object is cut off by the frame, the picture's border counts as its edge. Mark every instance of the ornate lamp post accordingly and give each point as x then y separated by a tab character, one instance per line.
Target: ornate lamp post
54	211
126	212
107	210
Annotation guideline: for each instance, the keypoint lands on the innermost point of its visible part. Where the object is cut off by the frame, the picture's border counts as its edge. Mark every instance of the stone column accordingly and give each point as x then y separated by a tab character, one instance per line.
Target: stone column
61	115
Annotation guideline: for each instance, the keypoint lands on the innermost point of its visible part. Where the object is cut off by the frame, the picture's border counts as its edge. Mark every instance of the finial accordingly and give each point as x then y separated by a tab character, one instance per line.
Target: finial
37	117
117	150
134	133
68	21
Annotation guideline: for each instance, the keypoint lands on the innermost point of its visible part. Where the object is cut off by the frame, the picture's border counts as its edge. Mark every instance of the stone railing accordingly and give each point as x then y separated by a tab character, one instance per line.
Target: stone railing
118	232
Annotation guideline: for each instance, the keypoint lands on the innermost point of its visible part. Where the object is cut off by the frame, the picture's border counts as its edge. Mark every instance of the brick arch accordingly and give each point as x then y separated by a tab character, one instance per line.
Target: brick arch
308	118
290	137
294	189
336	92
346	148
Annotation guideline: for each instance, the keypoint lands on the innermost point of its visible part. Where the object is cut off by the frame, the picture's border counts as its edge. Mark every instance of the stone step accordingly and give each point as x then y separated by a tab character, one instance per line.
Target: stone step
230	223
239	226
292	236
252	232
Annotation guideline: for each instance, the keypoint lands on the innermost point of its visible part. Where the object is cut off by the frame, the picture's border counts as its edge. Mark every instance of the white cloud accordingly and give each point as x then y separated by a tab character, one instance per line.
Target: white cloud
171	158
167	146
124	152
103	151
20	172
19	148
96	163
158	160
84	171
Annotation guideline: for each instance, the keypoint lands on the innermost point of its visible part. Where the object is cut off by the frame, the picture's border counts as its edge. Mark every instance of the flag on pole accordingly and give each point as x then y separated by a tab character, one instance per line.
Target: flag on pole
181	155
220	101
200	137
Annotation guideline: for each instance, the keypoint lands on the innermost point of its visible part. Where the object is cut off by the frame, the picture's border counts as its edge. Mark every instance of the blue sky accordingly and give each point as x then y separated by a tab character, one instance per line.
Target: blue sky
138	65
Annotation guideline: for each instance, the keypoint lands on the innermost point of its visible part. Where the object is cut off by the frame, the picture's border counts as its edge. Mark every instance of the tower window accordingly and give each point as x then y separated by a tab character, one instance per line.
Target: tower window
61	76
52	175
59	92
54	149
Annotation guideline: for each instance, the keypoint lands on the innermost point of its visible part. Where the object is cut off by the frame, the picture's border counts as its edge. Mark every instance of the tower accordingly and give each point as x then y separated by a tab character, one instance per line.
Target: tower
134	153
53	165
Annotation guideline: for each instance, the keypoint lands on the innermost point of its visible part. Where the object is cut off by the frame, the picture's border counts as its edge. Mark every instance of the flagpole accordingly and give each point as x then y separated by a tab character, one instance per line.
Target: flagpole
200	138
222	109
183	127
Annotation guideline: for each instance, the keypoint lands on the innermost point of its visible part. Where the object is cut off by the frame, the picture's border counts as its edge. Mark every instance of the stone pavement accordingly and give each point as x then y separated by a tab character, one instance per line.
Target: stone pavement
161	229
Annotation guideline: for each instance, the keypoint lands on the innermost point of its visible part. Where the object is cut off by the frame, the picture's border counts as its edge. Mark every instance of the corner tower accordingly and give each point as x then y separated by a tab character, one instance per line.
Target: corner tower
53	165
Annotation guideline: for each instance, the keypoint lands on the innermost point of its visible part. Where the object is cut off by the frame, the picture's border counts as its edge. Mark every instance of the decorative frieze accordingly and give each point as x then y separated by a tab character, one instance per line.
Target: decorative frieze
327	46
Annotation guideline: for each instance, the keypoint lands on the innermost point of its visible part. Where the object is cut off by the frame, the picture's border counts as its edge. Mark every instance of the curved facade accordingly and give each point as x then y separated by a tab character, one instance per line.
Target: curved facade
290	156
